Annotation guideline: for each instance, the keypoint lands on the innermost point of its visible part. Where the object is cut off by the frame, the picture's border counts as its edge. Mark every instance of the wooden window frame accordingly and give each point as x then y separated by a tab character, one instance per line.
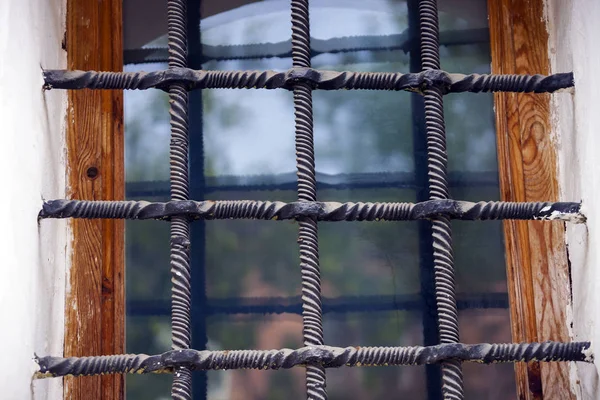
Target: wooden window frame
95	303
537	265
536	254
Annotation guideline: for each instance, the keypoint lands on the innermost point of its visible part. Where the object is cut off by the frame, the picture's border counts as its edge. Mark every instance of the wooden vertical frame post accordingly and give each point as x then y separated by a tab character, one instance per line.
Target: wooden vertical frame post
95	304
537	267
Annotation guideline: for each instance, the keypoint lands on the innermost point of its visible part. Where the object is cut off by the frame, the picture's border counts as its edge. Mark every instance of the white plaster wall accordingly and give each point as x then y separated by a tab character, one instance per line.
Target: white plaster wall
32	166
574	30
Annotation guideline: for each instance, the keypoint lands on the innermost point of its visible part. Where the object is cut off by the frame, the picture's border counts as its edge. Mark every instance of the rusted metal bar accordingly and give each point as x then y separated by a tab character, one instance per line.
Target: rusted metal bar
179	177
308	241
321	211
322	80
321	356
437	160
429	315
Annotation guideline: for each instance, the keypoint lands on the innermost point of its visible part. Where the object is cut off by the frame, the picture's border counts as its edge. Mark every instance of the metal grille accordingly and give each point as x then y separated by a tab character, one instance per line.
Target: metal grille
439	209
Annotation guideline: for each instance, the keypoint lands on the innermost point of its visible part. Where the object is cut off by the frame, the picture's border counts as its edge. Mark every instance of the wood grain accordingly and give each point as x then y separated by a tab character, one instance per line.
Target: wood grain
95	305
537	268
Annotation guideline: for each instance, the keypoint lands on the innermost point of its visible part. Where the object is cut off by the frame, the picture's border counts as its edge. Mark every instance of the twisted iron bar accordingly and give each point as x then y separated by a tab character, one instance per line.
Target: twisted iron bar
181	297
321	211
316	79
312	313
437	160
322	356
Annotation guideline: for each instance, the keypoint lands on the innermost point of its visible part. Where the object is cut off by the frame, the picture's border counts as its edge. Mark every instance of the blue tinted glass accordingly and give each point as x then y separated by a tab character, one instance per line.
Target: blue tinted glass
369	146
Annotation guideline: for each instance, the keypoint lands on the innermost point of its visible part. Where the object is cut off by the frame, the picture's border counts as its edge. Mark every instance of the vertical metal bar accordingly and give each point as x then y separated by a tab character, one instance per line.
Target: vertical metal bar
180	226
426	266
452	381
307	191
197	189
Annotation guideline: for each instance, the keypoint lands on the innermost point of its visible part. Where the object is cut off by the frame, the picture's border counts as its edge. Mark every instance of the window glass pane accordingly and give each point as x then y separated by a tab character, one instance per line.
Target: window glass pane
375	325
147	138
238	264
147	260
256	331
376	276
493	381
248	132
376	17
148	335
470	133
363	132
231	30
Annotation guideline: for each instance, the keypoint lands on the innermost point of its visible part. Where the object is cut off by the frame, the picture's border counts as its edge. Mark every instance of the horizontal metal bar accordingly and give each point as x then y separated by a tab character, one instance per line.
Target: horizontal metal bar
322	211
326	356
324	80
347	44
289	181
293	305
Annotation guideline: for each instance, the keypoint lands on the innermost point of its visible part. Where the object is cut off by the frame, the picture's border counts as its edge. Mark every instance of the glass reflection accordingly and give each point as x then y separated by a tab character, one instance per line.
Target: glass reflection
372	286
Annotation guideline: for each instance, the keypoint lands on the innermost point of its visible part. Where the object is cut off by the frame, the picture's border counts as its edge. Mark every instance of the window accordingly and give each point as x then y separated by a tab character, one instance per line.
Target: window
369	146
359	140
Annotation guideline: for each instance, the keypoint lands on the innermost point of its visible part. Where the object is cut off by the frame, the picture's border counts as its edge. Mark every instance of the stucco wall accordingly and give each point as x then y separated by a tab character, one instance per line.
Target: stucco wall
574	29
32	167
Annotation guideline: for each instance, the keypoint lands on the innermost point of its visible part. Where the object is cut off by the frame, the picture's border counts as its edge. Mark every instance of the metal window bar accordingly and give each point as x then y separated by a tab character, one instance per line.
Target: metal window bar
179	178
312	313
429	315
437	208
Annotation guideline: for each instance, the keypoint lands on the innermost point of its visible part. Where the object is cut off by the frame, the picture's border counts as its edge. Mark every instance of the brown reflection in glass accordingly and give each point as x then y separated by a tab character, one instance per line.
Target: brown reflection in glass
256	332
377	383
495	381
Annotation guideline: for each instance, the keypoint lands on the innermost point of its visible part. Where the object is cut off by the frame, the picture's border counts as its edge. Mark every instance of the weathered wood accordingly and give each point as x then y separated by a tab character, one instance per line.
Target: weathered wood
95	307
537	265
